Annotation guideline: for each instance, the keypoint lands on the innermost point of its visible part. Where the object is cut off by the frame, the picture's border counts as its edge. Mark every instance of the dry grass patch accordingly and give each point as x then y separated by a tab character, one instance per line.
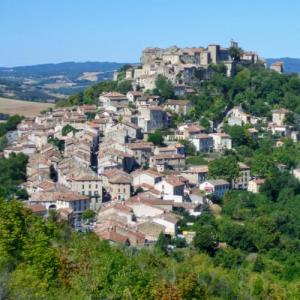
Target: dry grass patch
216	210
21	107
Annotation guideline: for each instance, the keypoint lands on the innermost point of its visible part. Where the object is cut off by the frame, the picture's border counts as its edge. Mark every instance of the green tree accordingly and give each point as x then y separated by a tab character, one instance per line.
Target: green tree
122	71
206	239
22	194
3	142
10	124
124	86
189	147
163	242
205	123
60	144
156	138
225	167
240	136
289	119
67	129
278	182
88	215
164	86
13	173
235	53
262	165
219	68
229	258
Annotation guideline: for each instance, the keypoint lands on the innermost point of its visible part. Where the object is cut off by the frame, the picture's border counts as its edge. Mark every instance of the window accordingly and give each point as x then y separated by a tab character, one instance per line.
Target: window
83	186
96	186
124	190
89	186
90	193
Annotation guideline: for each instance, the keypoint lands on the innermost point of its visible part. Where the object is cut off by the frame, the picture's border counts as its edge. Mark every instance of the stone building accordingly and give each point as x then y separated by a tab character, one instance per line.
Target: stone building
277	66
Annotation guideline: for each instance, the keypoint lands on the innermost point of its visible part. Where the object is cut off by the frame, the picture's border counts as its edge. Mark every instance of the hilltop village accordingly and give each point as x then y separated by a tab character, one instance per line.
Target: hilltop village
124	159
184	66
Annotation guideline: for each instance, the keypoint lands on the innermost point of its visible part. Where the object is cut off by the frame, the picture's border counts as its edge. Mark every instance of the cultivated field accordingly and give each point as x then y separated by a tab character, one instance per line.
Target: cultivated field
20	107
91	76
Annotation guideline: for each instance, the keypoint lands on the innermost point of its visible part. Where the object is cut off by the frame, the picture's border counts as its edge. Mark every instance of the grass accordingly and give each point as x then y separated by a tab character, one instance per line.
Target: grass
196	160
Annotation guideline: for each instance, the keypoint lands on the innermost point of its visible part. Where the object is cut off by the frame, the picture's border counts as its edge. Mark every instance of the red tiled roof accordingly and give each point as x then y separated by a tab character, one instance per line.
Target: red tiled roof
118	206
174	181
170	217
122	178
37	208
259	181
113	236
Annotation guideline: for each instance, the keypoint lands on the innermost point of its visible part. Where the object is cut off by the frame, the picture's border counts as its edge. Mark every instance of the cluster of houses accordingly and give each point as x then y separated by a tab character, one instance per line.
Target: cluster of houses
98	157
278	126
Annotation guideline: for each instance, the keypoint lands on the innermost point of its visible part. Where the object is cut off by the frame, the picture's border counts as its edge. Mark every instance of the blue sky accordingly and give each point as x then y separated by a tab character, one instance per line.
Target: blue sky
46	31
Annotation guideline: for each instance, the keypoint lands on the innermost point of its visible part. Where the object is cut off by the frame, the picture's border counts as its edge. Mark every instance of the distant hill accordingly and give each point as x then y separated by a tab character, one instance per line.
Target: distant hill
291	65
66	68
49	82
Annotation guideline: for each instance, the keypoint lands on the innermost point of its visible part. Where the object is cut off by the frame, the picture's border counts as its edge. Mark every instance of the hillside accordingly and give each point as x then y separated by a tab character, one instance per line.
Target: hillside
49	82
71	69
245	246
291	65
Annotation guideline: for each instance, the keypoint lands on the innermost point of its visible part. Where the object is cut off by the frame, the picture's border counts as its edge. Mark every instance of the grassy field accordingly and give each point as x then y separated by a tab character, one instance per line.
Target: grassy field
196	160
20	107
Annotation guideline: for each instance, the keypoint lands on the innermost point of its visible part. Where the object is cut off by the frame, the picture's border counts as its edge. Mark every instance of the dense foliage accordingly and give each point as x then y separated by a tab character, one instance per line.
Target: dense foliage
156	138
91	94
257	89
225	167
60	144
46	260
9	125
189	147
67	129
13	173
163	87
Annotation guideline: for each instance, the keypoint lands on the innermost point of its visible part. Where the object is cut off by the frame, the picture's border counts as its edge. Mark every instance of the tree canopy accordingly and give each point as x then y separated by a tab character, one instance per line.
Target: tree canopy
10	124
47	260
235	53
257	89
164	87
156	138
13	173
225	168
67	129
